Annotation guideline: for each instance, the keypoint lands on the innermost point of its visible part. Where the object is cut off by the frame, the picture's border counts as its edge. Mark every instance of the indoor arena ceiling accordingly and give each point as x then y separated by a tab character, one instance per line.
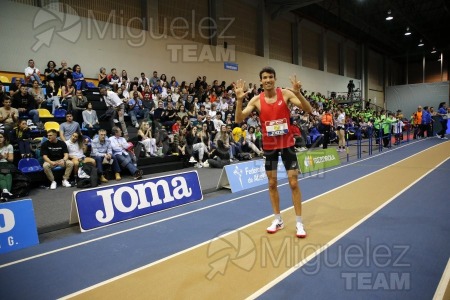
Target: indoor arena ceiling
365	22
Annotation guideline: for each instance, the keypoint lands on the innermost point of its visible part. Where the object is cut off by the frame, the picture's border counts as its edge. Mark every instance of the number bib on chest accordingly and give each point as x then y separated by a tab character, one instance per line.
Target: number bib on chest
277	127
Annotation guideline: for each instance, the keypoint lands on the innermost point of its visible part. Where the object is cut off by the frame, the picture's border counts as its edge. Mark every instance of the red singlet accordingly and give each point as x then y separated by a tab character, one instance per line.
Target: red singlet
275	123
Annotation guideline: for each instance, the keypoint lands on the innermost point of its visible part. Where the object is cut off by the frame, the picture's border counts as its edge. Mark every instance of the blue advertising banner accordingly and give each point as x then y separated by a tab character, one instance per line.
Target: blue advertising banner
230	66
17	225
250	174
107	205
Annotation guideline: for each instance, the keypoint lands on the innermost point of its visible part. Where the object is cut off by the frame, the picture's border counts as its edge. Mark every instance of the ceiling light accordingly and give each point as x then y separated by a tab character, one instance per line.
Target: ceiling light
407	31
420	43
389	16
434	50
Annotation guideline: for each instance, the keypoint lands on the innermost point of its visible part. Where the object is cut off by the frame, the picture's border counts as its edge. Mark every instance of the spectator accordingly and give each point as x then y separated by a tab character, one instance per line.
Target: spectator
114	79
68	128
223	148
90	120
78	78
67	92
25	104
124	80
116	108
194	144
153	81
64	73
145	137
149	107
55	154
103	79
135	109
173	82
119	149
51	73
253	120
8	115
6	159
52	95
102	154
78	105
37	93
32	73
77	147
142	79
21	136
250	140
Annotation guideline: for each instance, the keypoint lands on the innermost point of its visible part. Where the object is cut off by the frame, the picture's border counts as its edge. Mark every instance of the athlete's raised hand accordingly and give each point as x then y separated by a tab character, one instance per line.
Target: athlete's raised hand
296	84
239	89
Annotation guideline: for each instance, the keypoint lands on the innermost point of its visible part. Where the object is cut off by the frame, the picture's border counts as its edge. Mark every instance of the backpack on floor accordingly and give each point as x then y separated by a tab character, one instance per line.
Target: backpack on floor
21	185
92	181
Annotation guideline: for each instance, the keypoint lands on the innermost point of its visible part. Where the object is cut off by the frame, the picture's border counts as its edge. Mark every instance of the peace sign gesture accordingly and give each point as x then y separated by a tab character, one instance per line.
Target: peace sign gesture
296	84
239	89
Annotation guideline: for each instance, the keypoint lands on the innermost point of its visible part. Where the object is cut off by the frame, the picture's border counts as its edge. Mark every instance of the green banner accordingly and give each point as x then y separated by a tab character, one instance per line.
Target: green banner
318	159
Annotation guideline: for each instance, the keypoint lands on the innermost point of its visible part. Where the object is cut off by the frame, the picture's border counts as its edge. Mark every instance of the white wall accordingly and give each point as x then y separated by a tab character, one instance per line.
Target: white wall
409	97
131	49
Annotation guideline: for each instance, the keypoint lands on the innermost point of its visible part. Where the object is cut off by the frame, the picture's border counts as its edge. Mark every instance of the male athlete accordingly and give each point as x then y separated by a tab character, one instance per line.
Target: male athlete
273	106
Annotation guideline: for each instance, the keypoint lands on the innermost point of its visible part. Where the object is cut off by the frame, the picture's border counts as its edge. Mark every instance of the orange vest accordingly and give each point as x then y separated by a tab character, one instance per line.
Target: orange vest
327	119
418	118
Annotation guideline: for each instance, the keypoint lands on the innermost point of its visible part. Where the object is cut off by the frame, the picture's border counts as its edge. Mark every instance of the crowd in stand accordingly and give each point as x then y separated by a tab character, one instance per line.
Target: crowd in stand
194	120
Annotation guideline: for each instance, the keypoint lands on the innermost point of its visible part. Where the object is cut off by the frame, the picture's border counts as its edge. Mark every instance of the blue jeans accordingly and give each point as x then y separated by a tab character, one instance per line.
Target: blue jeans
99	164
33	114
125	162
136	114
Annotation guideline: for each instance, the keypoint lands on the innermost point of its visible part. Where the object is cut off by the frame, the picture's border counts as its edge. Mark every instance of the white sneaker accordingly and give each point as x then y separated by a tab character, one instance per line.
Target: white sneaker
192	160
276	225
303	149
53	185
65	183
137	125
301	233
115	121
199	165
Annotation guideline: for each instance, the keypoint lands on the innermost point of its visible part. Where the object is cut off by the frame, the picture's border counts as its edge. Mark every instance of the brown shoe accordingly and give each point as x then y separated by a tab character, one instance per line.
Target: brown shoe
138	174
103	179
118	176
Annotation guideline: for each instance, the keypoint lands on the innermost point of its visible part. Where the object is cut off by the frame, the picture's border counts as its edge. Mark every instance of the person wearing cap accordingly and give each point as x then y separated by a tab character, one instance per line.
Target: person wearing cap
273	106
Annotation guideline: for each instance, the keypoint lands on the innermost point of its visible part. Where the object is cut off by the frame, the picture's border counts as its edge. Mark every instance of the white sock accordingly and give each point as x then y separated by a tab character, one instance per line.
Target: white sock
299	219
278	217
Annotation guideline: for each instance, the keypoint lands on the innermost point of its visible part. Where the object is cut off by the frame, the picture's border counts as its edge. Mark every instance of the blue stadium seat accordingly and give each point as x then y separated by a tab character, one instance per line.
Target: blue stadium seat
30	165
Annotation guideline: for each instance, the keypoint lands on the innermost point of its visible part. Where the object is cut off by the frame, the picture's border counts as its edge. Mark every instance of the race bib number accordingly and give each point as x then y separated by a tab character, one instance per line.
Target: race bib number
277	127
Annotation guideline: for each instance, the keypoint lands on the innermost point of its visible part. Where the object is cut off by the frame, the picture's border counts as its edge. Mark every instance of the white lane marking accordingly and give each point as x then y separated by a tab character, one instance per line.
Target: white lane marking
329	244
207	207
